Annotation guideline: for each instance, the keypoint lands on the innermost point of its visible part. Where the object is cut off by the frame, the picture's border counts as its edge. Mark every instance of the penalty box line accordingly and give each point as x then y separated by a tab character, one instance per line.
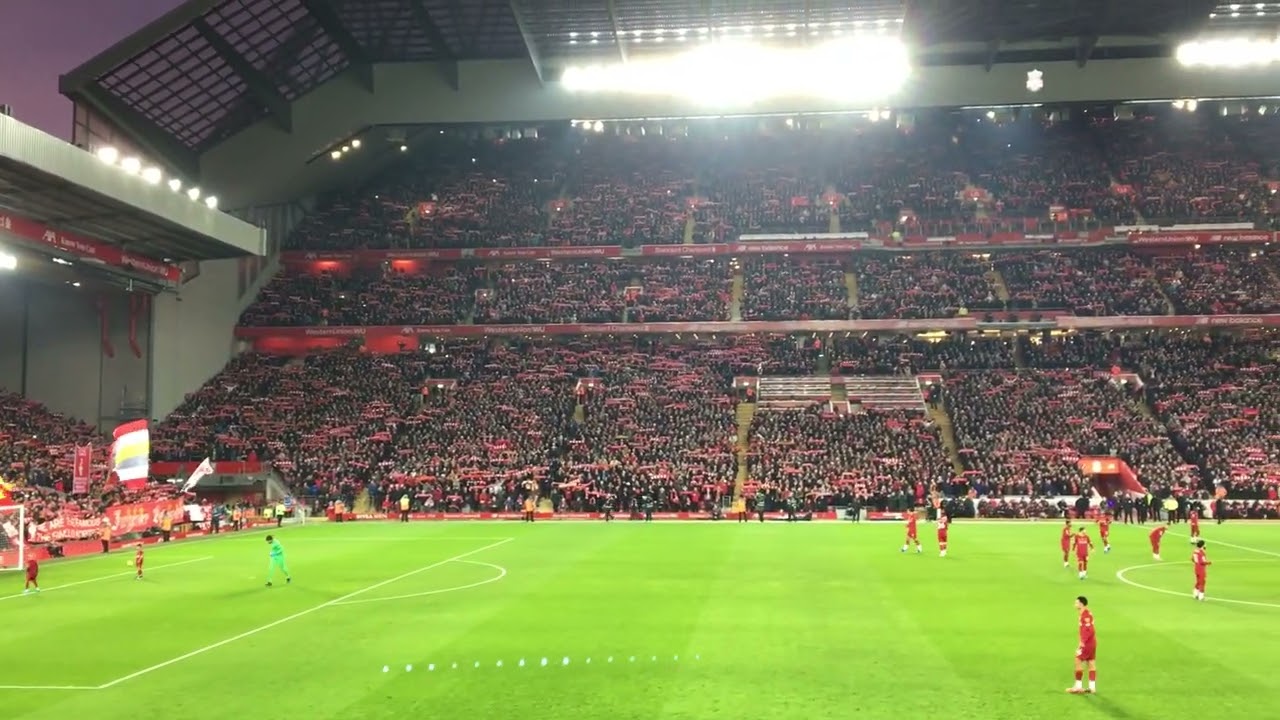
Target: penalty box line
295	616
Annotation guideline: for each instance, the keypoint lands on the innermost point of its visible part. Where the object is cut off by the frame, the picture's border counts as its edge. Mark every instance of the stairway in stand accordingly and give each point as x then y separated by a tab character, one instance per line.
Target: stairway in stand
737	290
744	412
940	418
1019	352
998	285
1169	307
689	225
833	221
851	288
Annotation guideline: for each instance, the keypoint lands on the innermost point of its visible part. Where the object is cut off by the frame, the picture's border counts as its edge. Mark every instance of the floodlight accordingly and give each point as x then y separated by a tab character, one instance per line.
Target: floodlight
336	154
211	202
131	165
355	144
194	194
175	184
404	148
152	175
8	261
108	155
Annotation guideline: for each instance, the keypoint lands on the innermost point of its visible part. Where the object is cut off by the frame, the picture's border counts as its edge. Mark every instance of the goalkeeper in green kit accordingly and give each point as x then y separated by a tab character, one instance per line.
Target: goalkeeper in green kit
277	561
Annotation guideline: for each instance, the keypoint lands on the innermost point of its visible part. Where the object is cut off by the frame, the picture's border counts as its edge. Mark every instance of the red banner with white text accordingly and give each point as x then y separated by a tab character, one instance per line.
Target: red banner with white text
65	527
136	517
1197	237
86	249
81	468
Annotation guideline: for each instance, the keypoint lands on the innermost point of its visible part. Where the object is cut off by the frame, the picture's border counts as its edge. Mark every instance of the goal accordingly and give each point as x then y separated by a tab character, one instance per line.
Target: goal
13	546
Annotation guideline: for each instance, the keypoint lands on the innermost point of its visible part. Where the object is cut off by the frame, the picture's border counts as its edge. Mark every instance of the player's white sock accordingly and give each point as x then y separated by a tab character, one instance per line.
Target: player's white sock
1106	548
1093	686
1156	556
1081	574
1066	564
942	554
1079	684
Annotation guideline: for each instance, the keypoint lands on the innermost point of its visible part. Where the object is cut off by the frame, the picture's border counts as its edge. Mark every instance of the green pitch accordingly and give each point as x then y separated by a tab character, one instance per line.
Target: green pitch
745	621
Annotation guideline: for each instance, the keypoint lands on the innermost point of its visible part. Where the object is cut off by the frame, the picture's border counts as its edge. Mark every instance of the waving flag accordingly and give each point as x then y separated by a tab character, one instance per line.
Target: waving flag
130	453
205	468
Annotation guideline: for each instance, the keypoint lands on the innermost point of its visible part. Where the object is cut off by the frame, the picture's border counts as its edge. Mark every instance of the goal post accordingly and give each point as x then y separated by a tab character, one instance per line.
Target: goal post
13	544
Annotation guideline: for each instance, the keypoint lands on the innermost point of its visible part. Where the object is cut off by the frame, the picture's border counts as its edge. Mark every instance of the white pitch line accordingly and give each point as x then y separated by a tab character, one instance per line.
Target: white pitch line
502	572
48	687
295	616
106	577
1231	545
1121	572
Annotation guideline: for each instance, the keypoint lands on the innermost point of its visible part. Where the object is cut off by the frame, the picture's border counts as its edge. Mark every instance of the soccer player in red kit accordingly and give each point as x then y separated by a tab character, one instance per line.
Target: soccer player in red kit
942	535
912	534
1104	531
1156	535
1086	651
33	572
1066	542
1201	563
1083	545
137	561
1194	518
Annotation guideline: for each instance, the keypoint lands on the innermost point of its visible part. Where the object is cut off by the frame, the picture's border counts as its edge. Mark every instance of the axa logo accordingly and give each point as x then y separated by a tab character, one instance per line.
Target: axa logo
406	331
810	247
310	256
49	236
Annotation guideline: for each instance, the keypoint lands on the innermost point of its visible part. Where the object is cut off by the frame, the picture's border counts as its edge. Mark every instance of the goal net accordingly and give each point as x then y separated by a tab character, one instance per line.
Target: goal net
13	549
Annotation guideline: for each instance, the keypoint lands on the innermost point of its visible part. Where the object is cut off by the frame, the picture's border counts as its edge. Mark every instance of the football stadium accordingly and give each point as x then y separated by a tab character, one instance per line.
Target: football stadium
648	358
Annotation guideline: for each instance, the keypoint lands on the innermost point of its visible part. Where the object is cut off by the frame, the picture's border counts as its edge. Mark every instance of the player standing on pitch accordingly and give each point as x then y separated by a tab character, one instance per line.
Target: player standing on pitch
1104	531
1083	545
942	534
1156	535
33	574
1086	651
913	535
1194	518
1066	542
1201	562
137	561
277	561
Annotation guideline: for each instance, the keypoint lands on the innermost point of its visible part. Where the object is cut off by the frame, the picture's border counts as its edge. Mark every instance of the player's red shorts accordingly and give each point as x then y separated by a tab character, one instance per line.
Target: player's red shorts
1082	556
31	577
942	537
1086	653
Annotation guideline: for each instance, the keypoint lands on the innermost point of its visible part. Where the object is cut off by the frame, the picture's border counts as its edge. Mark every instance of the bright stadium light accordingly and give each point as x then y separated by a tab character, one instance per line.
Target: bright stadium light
131	165
355	144
211	202
194	194
336	154
739	72
1234	53
108	155
175	184
8	261
152	175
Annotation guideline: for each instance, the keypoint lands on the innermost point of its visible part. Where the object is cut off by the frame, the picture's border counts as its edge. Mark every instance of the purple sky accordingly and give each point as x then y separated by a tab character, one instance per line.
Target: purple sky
42	39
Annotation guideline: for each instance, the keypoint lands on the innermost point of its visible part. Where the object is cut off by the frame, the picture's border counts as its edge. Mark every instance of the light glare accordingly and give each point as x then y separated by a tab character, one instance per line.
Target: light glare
1234	53
131	165
736	73
108	155
152	175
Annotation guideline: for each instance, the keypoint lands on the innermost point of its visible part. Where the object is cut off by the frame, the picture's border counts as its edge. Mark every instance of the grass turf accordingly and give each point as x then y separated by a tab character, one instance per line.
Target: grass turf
768	621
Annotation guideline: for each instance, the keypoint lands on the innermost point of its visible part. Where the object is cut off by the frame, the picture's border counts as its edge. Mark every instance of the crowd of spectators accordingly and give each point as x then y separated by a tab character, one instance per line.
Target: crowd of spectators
1221	280
923	285
570	187
688	290
440	295
1082	281
553	292
1022	434
812	453
785	289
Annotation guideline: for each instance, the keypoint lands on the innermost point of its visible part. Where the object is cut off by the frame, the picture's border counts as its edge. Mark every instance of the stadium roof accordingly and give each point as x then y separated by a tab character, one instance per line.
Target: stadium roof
218	86
211	68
